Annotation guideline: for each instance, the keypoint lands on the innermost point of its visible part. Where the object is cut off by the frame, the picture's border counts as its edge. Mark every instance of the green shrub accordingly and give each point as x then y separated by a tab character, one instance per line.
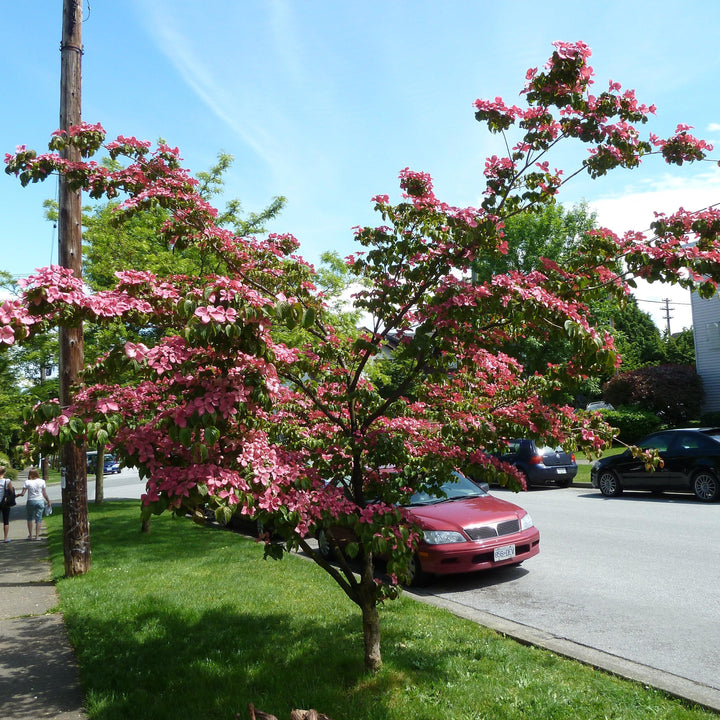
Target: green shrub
633	423
10	472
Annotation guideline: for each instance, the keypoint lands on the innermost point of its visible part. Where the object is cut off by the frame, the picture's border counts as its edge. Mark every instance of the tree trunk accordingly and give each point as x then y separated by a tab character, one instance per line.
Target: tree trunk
371	636
370	615
76	526
99	475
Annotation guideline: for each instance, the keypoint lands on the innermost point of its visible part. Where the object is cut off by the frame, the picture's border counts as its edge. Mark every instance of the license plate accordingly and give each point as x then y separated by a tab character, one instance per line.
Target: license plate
561	471
505	552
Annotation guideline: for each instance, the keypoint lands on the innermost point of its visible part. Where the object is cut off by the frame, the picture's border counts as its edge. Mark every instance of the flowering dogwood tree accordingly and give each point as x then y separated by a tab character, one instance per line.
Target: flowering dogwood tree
254	401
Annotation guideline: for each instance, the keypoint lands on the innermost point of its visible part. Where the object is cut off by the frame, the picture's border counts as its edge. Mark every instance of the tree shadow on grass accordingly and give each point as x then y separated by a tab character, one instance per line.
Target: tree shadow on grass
167	663
196	652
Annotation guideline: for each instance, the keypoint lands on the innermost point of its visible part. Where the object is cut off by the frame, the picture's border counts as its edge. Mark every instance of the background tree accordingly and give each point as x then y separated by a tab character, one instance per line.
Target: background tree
680	347
553	233
548	232
220	412
11	407
637	338
36	362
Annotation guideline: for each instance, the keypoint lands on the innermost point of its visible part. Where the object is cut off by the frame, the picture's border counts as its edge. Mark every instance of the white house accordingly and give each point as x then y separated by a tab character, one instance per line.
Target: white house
706	331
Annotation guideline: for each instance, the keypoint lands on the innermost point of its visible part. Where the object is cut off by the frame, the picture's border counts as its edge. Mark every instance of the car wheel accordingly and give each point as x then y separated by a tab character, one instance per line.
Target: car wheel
324	548
416	575
608	484
705	485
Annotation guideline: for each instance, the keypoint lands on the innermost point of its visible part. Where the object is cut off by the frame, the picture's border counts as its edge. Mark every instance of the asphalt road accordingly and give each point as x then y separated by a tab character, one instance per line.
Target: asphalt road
637	577
120	486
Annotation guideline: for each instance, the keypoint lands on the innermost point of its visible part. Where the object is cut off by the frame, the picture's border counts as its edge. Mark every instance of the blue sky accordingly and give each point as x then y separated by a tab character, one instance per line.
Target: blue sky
325	102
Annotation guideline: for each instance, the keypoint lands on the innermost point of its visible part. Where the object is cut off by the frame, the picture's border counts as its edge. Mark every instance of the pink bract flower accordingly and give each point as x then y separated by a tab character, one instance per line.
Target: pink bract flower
106	406
7	335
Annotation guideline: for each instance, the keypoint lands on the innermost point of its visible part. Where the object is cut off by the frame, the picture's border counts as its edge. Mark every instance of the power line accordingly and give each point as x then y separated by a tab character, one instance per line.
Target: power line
662	302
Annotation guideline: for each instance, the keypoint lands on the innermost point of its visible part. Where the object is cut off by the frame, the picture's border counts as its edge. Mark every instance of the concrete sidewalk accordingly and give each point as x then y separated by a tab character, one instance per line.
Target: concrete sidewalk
38	671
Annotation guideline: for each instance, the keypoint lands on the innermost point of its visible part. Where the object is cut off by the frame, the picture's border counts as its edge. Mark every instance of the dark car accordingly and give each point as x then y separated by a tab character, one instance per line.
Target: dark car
111	464
541	465
690	463
466	530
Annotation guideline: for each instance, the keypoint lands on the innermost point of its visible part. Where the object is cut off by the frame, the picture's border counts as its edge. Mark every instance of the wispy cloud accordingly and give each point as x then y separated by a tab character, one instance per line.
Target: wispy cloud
220	94
287	41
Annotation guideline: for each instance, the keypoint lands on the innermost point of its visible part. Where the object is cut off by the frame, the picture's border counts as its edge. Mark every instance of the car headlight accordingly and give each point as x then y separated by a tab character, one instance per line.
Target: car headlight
442	537
526	522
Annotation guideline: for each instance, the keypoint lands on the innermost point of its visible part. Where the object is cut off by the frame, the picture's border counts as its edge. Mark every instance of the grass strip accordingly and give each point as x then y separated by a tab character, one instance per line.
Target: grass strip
191	622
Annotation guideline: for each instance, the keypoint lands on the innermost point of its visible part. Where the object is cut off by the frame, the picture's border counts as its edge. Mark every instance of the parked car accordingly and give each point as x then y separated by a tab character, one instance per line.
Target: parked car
541	465
110	463
690	463
599	405
466	530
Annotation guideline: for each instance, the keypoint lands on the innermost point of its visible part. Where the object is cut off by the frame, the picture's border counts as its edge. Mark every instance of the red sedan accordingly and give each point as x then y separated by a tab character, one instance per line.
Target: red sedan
466	530
469	530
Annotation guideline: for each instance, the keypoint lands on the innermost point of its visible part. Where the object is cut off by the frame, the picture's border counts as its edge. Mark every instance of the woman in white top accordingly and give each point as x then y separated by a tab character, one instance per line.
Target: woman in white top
37	499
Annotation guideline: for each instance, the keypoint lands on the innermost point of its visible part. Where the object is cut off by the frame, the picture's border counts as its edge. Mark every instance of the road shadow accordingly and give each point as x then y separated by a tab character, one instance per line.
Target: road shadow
645	496
499	489
470	581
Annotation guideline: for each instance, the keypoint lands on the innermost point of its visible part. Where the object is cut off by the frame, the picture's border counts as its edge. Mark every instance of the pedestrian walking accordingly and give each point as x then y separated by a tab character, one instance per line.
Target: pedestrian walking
36	502
7	500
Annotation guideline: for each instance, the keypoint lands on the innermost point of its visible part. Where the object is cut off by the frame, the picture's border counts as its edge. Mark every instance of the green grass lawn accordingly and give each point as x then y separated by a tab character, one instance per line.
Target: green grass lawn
190	622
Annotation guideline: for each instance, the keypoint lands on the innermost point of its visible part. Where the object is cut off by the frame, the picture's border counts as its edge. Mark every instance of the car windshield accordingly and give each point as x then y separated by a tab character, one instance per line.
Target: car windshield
458	487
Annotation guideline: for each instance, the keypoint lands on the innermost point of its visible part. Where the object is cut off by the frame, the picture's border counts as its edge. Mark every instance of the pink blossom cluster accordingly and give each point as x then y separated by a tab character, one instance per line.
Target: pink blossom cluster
682	147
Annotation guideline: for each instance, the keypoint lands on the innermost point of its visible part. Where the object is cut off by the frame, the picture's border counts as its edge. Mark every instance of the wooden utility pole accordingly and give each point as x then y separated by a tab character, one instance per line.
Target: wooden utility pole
76	527
668	316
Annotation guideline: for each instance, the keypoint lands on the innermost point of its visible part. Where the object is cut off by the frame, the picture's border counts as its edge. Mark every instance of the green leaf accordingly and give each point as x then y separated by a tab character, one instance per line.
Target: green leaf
212	435
77	425
185	436
308	318
223	515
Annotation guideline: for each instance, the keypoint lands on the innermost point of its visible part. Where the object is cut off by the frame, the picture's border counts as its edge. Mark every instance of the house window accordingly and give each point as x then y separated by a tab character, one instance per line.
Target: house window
712	334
